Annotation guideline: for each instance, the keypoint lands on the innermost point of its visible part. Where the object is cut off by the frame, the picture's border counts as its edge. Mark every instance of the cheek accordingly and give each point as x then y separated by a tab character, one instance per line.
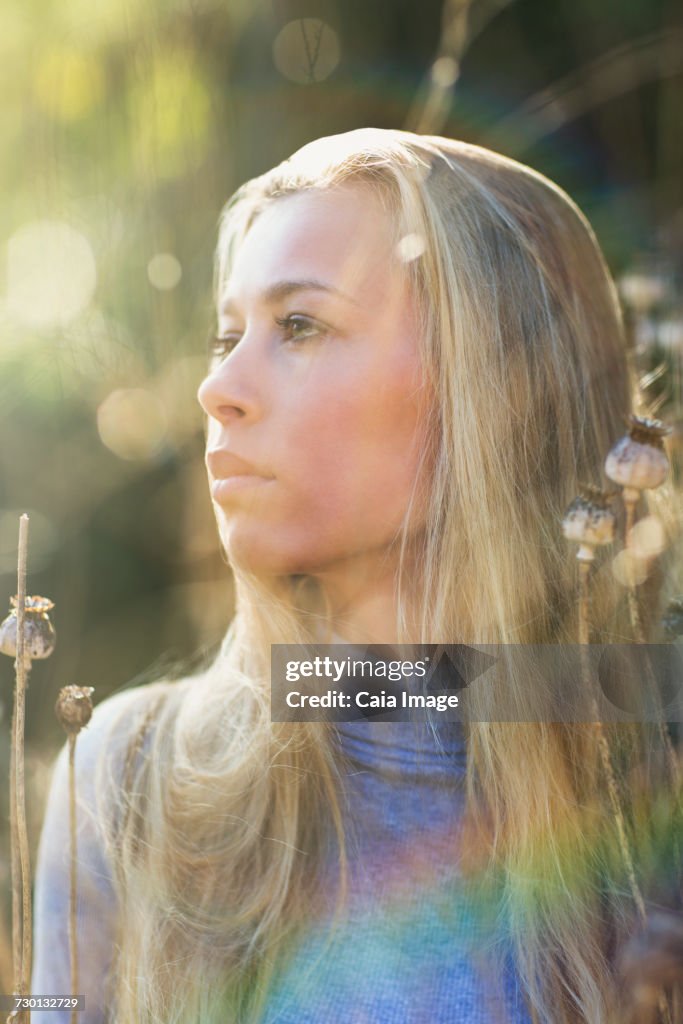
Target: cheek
354	459
345	455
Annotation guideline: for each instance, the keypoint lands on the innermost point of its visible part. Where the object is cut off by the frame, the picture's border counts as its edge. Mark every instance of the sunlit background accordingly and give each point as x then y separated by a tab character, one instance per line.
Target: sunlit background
125	127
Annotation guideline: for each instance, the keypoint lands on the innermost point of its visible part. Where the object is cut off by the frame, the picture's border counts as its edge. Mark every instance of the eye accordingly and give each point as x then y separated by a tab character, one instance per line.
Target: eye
297	327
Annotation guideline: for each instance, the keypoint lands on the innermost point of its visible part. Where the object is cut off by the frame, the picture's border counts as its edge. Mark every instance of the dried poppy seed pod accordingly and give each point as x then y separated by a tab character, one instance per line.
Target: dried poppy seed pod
74	707
39	633
638	461
590	521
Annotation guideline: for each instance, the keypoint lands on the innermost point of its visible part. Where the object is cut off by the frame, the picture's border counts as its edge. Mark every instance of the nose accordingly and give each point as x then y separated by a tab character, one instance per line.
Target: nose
227	392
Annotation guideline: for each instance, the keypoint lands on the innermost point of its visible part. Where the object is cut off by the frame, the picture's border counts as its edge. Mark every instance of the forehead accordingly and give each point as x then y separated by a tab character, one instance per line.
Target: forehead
341	236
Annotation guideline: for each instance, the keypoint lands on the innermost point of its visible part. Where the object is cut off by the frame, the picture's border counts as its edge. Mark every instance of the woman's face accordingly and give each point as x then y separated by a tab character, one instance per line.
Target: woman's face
314	388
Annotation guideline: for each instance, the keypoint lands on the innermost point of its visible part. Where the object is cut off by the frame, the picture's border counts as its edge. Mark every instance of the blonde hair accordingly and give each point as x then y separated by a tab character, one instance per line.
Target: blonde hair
224	821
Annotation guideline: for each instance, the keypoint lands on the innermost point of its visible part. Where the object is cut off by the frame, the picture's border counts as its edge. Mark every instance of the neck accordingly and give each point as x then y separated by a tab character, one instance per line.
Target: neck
362	598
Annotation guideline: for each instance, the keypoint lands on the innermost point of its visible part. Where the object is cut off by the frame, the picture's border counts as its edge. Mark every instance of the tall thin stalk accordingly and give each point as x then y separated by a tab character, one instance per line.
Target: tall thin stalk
640	638
23	639
639	462
73	934
633	606
603	746
590	521
14	858
74	710
21	864
6	979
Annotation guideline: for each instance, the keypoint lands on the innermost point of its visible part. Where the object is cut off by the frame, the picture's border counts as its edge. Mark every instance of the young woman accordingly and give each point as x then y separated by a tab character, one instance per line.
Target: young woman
419	357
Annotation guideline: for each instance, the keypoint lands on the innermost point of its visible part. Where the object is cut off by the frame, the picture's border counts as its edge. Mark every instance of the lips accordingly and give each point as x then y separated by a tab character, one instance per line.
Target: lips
223	464
230	474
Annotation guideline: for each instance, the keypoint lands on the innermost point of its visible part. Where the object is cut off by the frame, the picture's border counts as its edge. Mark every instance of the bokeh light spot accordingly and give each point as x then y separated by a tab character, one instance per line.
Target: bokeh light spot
647	538
642	291
444	72
132	423
68	84
410	247
670	334
306	50
627	568
164	271
51	274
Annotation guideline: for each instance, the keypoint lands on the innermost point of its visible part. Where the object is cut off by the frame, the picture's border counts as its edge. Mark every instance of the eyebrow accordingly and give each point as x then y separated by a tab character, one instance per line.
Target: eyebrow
281	289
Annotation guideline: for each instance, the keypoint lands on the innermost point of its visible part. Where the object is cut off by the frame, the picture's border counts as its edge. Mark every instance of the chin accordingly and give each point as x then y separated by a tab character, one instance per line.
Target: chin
261	556
272	550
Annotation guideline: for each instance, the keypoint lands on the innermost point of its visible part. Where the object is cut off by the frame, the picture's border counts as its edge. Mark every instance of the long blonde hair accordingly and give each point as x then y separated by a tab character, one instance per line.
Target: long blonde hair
222	823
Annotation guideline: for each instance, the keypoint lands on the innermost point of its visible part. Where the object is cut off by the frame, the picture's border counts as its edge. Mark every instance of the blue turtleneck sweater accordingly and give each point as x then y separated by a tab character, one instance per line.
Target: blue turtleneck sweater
414	945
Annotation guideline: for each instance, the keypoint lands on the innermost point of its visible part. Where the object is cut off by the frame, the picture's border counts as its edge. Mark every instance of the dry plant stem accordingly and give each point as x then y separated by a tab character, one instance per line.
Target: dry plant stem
14	859
636	621
22	970
73	935
584	607
6	979
603	747
640	638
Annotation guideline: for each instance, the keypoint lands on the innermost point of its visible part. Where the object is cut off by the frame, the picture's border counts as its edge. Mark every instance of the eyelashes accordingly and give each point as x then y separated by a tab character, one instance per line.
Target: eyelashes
295	328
